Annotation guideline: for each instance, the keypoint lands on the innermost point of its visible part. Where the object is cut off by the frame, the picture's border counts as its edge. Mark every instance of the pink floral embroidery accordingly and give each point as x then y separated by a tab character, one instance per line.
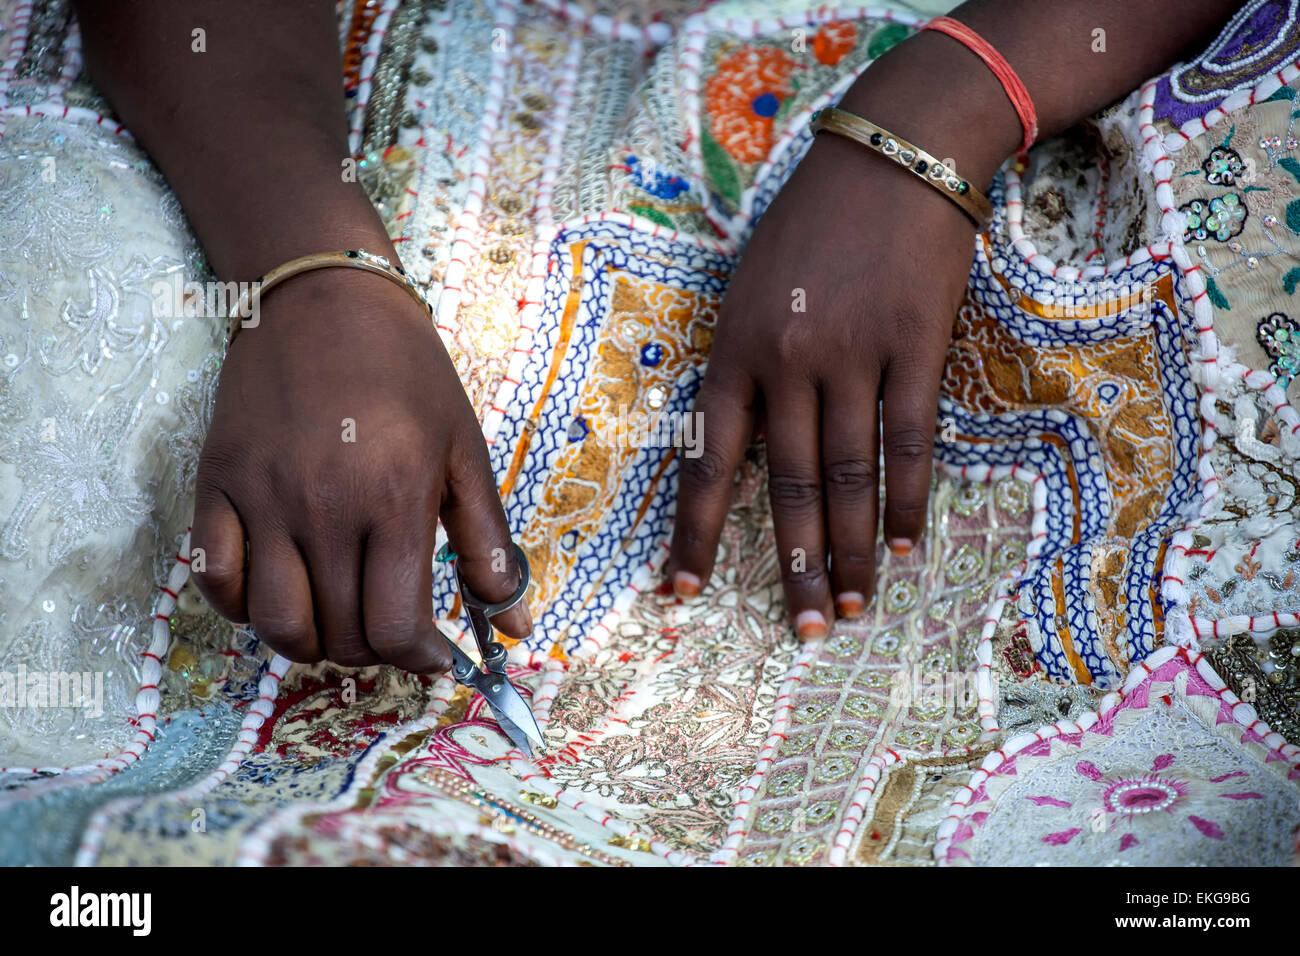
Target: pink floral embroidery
1229	776
1088	770
1208	827
1048	802
1129	797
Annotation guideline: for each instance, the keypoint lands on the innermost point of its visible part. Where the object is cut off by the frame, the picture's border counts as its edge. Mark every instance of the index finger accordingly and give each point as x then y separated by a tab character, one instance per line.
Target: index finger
725	406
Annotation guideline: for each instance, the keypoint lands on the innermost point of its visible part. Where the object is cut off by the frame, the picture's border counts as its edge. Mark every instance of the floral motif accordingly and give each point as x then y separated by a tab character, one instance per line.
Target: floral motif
1223	166
744	95
658	182
1219	218
833	41
1279	334
1168	771
1125	797
70	465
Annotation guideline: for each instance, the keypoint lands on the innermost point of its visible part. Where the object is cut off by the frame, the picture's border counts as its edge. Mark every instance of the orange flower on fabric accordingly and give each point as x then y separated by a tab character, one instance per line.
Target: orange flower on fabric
833	41
742	97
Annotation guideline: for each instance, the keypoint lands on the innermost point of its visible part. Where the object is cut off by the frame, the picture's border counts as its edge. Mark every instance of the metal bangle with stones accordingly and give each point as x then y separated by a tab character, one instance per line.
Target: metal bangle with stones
970	200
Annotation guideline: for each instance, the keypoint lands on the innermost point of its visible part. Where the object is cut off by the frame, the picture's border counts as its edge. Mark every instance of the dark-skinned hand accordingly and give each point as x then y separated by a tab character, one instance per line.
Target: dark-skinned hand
340	534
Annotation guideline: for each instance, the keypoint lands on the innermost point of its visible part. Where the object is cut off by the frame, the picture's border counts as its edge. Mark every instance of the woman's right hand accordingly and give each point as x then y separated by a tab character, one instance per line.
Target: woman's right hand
341	434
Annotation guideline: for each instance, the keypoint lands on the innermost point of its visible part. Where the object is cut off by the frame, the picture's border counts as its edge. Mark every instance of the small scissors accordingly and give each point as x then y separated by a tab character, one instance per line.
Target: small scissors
514	716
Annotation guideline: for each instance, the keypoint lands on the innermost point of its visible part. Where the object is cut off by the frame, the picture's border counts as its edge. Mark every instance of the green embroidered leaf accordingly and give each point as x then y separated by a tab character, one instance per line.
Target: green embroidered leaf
885	37
1293	215
722	173
1283	93
1216	295
1255	189
1290	280
787	102
1228	139
1290	164
654	215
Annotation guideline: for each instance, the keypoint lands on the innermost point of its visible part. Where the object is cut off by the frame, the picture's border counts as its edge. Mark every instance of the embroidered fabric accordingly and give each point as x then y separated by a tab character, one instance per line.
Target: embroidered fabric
104	405
614	181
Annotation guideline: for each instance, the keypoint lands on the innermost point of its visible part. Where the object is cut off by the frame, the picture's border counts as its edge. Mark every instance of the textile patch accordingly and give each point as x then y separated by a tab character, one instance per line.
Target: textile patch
1174	769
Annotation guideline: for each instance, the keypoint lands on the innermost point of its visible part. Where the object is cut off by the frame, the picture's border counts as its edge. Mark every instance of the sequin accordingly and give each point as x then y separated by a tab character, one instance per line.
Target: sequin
901	597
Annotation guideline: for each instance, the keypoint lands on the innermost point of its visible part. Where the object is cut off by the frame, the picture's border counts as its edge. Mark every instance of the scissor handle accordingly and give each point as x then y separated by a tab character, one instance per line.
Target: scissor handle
471	600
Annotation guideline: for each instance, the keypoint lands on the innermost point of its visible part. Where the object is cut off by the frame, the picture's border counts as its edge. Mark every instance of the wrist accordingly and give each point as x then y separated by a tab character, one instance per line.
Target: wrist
934	92
250	242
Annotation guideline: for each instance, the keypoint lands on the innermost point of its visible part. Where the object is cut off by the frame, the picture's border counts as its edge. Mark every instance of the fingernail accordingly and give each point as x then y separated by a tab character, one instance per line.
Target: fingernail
900	547
686	585
810	625
850	604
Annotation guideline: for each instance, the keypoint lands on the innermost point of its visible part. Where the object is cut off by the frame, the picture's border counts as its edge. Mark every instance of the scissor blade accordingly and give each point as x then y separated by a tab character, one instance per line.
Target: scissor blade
510	708
481	627
514	716
517	736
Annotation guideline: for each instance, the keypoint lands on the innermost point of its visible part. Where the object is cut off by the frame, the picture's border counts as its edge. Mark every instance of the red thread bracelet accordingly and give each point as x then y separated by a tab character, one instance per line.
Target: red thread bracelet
994	60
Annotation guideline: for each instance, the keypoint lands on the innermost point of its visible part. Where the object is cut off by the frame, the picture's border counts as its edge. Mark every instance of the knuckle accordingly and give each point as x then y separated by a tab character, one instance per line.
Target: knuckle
859	557
705	471
354	655
851	476
907	510
910	316
220	571
813	579
325	496
792	345
397	637
291	635
793	493
910	443
218	461
403	474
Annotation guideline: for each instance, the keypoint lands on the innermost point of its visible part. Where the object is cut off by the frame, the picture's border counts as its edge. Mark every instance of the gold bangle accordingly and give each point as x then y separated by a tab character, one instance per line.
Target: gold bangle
920	163
352	259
